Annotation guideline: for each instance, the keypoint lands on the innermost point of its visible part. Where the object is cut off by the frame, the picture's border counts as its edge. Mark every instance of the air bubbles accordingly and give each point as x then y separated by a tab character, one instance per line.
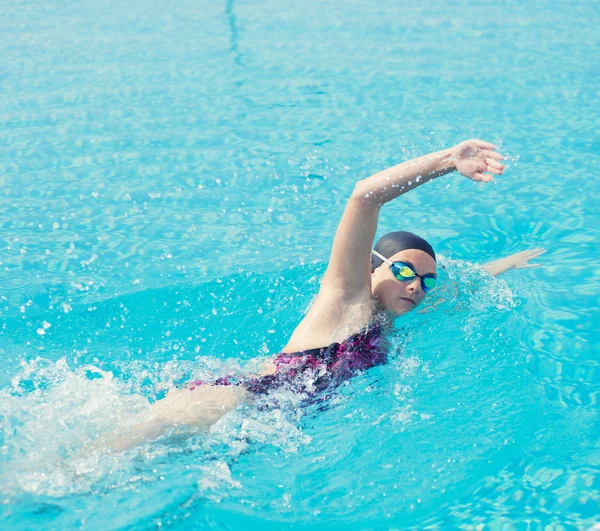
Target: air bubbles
42	330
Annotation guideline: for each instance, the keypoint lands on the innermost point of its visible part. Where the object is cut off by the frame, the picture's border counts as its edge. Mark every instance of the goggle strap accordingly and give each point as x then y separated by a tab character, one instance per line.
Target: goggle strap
381	257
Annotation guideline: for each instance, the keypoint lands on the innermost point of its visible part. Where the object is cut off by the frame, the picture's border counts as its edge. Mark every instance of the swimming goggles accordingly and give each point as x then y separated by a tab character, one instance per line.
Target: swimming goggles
404	272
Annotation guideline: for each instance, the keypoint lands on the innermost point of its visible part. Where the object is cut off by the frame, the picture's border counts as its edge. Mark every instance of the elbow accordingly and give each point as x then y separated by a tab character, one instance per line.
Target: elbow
359	190
364	195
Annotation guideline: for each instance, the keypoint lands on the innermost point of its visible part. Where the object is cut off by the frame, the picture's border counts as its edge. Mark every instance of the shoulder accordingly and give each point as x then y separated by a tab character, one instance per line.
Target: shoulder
332	318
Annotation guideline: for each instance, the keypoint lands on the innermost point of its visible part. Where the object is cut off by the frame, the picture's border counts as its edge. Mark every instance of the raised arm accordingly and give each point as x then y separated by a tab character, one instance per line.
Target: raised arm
349	268
346	286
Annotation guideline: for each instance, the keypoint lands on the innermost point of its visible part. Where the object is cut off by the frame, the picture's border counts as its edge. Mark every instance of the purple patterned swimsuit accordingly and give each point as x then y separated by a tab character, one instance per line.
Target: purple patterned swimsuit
316	369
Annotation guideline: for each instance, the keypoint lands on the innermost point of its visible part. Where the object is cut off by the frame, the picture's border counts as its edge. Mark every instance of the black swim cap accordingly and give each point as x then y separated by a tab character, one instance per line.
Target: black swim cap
394	242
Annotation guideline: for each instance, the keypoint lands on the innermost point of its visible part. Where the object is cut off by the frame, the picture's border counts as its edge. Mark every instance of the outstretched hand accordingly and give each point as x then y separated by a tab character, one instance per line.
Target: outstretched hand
473	157
514	261
521	260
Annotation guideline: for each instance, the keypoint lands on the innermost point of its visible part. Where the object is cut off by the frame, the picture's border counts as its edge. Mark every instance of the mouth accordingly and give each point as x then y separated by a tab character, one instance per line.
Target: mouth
409	300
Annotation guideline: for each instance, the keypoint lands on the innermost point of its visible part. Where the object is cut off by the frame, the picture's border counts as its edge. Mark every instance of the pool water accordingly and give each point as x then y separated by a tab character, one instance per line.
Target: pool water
171	177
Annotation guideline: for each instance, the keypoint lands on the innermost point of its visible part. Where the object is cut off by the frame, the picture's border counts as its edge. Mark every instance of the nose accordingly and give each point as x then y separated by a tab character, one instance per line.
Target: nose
414	285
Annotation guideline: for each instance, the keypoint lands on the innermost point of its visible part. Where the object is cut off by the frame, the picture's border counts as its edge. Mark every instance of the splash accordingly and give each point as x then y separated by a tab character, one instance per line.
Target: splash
53	413
53	416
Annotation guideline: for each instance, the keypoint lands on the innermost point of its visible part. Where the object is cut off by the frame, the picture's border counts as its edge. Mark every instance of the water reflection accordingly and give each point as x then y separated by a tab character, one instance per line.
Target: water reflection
237	56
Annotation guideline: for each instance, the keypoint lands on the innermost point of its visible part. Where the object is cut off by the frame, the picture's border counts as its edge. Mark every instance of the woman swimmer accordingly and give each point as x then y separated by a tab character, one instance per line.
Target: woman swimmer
362	290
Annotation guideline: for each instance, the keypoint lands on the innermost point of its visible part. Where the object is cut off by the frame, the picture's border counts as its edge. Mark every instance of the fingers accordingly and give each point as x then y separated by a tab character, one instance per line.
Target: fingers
525	256
530	254
492	163
526	266
483	145
493	155
492	169
534	253
481	177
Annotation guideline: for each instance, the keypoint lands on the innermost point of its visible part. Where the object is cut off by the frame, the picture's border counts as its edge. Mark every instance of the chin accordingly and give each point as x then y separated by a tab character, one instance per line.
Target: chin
402	308
402	311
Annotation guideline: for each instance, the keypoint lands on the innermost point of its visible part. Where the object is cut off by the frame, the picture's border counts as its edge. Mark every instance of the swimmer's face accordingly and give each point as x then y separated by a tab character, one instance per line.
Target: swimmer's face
394	295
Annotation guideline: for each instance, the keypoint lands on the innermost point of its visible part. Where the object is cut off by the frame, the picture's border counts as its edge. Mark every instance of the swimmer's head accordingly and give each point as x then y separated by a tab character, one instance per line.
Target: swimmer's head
401	297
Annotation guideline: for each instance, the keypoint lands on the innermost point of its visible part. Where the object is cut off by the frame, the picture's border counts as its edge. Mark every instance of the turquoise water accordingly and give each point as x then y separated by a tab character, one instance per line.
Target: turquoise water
171	177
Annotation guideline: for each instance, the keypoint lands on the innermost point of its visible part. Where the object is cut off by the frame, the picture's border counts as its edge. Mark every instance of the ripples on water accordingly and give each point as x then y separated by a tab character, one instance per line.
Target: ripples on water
414	432
170	182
